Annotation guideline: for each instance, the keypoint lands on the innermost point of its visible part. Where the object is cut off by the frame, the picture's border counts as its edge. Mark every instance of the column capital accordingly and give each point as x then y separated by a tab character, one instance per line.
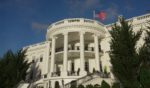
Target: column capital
65	33
96	35
82	32
54	37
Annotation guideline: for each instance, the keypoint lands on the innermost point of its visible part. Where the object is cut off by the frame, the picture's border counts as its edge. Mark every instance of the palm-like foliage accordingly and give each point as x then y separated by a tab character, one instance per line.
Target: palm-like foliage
13	68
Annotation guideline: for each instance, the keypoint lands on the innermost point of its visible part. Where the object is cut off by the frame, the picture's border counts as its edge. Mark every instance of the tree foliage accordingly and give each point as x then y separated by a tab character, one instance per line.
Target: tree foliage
104	85
81	86
124	58
144	75
116	85
90	86
13	67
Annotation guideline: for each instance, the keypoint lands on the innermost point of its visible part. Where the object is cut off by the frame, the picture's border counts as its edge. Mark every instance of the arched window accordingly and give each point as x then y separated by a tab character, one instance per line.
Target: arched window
57	84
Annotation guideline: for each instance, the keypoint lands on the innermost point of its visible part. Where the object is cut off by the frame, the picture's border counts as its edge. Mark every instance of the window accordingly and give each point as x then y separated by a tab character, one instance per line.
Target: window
101	69
57	84
61	22
89	21
41	58
74	20
99	48
78	48
73	47
92	48
87	66
45	76
86	46
72	66
33	59
69	47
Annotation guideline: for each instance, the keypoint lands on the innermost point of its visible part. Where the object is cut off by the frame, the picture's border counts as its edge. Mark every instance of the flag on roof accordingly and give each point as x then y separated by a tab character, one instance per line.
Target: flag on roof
101	15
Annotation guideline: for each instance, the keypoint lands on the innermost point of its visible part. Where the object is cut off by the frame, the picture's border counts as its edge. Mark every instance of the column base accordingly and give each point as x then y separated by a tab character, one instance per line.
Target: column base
83	73
64	73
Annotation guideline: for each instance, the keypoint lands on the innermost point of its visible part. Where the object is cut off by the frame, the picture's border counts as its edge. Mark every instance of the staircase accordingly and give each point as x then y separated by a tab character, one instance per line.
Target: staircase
87	78
22	84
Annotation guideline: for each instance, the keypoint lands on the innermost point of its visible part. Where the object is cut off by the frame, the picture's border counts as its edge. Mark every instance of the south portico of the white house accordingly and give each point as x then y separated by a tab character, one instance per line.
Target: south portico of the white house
71	53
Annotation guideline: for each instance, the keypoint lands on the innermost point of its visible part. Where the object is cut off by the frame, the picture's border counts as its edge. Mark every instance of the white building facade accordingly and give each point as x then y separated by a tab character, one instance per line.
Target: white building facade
76	51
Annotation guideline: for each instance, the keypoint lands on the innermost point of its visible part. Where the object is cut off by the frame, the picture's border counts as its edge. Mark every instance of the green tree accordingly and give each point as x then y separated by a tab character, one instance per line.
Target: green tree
104	85
13	67
144	76
96	86
89	86
124	58
73	84
116	85
81	86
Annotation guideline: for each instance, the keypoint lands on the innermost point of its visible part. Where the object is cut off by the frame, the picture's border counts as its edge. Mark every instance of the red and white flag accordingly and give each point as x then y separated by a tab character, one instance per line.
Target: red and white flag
101	15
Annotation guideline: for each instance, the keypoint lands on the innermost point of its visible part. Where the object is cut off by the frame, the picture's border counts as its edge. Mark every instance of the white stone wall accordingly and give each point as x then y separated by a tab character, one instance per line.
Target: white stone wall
34	52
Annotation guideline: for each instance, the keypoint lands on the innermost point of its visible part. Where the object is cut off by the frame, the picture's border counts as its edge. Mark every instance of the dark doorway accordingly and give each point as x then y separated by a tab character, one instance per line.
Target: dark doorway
57	84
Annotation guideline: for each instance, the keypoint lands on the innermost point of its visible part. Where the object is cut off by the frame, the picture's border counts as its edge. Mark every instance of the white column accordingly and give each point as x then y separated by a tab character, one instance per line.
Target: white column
96	53
65	59
46	85
48	59
53	55
82	59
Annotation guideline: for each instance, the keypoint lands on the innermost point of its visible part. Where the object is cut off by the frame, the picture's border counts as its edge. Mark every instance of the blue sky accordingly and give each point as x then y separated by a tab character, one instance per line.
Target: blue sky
24	22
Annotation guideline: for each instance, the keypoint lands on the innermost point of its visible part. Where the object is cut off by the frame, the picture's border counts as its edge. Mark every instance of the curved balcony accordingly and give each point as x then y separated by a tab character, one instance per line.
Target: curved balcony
76	49
75	53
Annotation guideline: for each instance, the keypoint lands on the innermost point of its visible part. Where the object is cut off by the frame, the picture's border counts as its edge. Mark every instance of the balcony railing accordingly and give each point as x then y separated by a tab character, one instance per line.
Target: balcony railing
73	73
77	48
70	73
55	74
